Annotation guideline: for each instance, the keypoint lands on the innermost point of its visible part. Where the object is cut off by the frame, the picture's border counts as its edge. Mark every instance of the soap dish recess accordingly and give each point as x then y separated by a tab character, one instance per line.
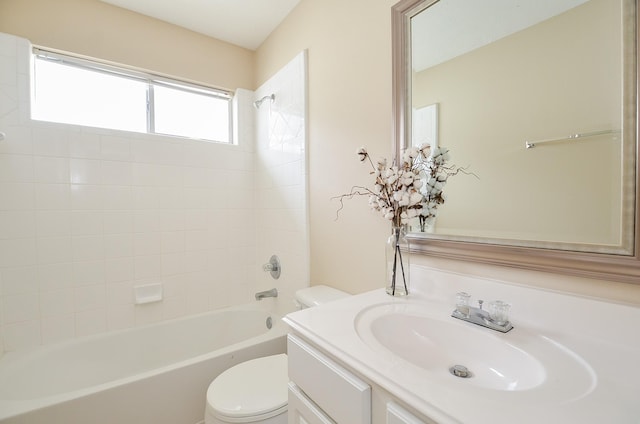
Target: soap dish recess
147	293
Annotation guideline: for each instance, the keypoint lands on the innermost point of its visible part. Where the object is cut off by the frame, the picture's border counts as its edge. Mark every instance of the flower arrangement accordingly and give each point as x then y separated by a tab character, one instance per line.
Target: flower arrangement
401	193
414	188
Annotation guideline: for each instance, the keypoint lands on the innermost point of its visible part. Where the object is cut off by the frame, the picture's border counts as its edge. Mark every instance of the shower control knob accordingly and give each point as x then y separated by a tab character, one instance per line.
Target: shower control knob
273	267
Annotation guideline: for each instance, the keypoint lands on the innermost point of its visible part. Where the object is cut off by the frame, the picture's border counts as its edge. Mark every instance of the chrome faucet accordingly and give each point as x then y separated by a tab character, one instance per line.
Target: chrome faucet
496	319
268	293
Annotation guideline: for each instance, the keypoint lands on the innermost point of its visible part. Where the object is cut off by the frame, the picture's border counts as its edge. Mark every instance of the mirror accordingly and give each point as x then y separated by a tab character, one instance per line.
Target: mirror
538	100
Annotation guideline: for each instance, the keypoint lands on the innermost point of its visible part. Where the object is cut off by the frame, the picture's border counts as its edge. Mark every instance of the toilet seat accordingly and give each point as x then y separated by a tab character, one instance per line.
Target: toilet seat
250	391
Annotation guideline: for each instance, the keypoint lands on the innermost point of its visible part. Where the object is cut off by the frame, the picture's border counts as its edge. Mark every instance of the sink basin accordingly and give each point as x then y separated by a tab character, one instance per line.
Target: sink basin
433	343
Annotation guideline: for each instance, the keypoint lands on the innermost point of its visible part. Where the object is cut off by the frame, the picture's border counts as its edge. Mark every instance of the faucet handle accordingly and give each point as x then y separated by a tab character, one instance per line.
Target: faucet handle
273	267
480	302
462	303
499	312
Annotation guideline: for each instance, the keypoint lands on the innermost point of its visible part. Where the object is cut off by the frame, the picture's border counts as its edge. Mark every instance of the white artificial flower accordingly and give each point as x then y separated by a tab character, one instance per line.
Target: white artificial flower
415	198
407	178
431	182
391	177
440	156
410	154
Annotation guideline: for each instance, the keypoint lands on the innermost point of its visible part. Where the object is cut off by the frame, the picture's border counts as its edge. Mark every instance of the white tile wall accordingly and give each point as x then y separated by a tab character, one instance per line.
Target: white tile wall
281	181
86	214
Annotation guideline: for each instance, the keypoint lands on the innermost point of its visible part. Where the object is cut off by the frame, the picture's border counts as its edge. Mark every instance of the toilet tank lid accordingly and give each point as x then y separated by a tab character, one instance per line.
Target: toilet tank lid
317	295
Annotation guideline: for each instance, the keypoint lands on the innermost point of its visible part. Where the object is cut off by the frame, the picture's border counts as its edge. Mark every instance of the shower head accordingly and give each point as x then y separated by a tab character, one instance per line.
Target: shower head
257	103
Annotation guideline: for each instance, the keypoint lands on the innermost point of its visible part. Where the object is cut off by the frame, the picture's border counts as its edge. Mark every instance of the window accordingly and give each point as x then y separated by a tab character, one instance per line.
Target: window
76	91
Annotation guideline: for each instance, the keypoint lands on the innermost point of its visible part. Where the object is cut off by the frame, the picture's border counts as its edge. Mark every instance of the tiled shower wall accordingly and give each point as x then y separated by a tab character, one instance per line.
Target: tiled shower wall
281	181
87	214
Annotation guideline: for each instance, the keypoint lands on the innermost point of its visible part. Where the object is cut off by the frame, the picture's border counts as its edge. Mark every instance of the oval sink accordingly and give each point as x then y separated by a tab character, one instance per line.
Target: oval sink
438	345
515	361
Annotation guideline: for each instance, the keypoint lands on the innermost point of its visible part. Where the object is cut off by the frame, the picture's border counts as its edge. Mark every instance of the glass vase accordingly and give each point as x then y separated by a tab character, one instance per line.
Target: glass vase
397	257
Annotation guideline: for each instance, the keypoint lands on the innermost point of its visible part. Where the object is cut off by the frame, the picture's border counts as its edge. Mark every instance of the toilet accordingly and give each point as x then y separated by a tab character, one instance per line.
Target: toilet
255	391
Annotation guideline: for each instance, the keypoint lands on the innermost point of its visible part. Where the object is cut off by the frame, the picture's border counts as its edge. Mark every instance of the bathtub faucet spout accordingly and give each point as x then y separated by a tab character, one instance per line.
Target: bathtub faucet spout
269	293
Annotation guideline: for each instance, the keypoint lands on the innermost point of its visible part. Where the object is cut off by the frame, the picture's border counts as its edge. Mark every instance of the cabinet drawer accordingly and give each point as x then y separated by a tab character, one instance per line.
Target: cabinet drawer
302	410
342	395
398	415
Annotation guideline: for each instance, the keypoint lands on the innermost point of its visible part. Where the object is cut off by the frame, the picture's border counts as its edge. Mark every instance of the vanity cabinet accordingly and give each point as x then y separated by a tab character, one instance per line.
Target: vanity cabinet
324	391
321	388
396	414
303	410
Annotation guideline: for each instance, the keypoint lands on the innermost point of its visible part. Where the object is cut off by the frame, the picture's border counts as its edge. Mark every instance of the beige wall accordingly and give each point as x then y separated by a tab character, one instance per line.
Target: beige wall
350	106
100	30
349	97
349	47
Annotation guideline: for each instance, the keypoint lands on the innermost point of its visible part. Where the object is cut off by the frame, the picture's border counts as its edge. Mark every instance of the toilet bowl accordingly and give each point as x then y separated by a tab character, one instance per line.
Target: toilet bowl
255	391
251	392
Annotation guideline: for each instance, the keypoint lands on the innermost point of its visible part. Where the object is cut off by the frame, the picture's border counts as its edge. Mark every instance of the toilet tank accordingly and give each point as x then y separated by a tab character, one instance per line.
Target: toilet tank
317	295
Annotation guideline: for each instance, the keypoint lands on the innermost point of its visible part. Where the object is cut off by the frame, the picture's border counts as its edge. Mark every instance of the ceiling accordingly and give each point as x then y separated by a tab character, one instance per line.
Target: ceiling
246	23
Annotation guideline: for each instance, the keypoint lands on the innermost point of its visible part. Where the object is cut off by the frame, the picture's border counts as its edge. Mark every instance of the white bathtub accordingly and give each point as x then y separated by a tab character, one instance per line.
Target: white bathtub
156	374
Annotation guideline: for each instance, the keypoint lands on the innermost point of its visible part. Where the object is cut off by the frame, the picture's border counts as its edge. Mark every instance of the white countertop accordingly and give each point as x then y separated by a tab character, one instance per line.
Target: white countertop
607	349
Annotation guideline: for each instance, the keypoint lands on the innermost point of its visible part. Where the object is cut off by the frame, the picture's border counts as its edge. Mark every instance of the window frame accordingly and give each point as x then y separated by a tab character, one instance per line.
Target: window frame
150	79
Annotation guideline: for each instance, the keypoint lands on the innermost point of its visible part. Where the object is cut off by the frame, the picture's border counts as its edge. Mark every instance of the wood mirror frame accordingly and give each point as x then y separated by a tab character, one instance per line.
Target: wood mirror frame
611	267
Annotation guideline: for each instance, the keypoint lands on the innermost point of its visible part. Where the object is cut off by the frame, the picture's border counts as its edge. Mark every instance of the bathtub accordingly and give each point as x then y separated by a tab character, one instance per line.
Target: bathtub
157	374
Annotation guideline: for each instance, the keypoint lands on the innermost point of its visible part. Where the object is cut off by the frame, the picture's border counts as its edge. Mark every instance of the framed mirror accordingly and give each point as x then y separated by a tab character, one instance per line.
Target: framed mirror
538	100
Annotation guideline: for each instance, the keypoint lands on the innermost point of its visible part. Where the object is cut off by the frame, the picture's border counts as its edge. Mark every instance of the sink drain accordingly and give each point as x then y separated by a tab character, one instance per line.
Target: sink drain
460	371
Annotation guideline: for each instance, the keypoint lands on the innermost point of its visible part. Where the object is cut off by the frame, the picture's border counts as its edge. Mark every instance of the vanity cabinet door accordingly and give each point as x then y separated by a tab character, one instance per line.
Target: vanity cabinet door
398	415
339	393
302	410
